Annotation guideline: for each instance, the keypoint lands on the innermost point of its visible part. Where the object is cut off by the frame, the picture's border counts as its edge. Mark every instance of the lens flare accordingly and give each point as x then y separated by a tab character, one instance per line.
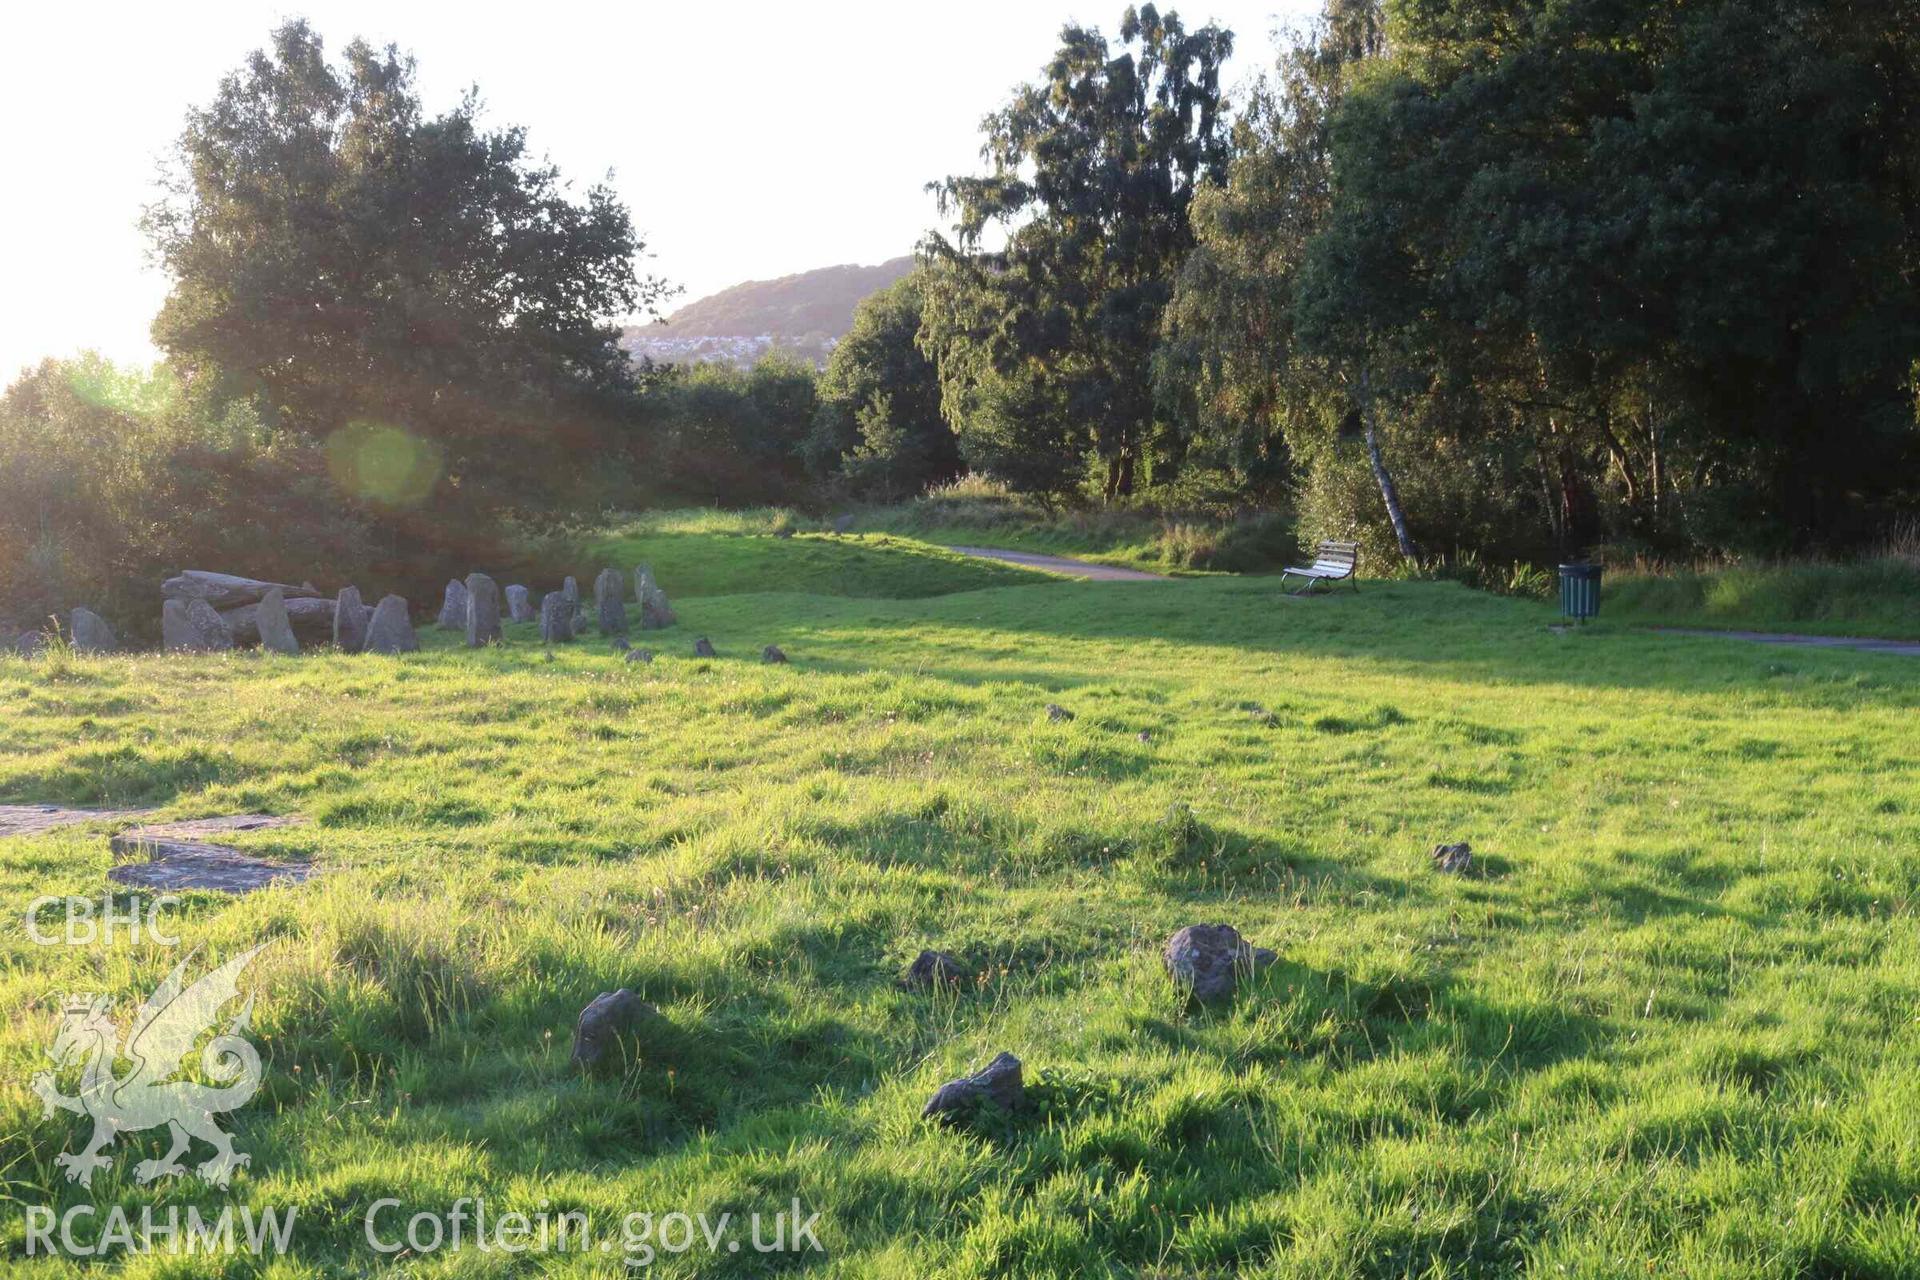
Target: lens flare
384	464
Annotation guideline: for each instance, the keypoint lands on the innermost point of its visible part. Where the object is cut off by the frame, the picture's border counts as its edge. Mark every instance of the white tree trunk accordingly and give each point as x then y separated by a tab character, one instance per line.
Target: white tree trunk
1384	478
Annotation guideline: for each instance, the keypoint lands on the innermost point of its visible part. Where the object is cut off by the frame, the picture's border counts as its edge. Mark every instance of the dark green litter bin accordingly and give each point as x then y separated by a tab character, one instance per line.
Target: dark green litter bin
1580	590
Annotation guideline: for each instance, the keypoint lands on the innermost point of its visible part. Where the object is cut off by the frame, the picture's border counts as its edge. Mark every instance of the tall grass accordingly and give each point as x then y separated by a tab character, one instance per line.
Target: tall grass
1875	595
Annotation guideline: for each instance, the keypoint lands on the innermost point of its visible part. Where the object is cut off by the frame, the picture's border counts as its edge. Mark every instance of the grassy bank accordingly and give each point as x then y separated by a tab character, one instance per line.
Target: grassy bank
975	511
704	552
1879	596
1666	1026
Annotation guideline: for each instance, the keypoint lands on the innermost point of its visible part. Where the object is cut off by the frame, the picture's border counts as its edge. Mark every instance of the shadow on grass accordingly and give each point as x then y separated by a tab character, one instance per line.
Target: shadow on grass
1425	630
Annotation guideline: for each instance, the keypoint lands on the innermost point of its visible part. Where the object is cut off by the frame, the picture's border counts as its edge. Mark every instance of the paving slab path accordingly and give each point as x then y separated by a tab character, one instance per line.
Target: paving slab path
1062	564
32	819
1905	648
177	859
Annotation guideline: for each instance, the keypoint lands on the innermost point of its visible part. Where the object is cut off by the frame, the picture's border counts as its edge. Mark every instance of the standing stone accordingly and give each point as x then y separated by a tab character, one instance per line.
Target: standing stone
276	631
556	618
29	644
193	626
580	623
607	591
1206	961
175	631
350	619
571	590
453	609
519	604
211	626
655	614
703	648
483	611
390	630
310	617
90	633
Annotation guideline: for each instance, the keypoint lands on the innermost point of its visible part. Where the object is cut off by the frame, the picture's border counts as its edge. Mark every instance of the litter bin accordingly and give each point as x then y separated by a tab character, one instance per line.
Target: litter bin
1580	590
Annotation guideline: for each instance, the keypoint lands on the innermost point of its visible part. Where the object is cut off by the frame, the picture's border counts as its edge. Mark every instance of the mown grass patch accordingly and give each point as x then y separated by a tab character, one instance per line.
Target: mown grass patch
1670	1025
707	553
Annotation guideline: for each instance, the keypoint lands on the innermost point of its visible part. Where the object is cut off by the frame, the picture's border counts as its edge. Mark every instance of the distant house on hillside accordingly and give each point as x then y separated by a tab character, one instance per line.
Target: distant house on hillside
805	314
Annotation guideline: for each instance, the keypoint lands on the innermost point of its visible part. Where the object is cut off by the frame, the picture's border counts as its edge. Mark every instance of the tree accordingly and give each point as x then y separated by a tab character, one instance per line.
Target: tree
731	436
1659	248
880	423
340	257
110	479
1045	346
1231	366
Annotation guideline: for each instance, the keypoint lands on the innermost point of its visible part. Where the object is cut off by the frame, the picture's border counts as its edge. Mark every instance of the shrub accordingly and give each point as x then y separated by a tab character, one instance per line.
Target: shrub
110	479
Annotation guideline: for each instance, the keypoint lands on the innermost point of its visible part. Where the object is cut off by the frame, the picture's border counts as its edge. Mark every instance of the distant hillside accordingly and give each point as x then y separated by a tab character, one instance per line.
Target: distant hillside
806	314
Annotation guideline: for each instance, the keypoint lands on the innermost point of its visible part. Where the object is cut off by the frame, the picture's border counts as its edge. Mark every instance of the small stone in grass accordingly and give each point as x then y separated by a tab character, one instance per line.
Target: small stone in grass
608	1016
703	648
1206	961
998	1084
1452	859
932	969
772	654
640	655
1058	713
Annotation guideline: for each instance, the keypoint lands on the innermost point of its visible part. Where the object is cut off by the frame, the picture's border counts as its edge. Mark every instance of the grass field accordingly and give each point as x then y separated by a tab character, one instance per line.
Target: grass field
1670	1024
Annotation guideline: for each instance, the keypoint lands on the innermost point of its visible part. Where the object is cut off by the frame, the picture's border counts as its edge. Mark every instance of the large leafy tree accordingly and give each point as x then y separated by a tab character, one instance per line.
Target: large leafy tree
353	264
880	424
1045	342
1664	250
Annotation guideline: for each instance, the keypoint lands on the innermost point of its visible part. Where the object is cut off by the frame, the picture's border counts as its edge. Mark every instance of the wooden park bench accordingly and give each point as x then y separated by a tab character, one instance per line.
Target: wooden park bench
1332	561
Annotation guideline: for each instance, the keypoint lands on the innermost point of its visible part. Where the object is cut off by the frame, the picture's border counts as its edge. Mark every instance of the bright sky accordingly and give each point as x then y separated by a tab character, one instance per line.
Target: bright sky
750	140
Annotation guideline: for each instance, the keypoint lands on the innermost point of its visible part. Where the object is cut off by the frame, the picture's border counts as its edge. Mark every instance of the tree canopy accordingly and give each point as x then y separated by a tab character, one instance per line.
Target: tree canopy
880	422
1045	343
340	256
